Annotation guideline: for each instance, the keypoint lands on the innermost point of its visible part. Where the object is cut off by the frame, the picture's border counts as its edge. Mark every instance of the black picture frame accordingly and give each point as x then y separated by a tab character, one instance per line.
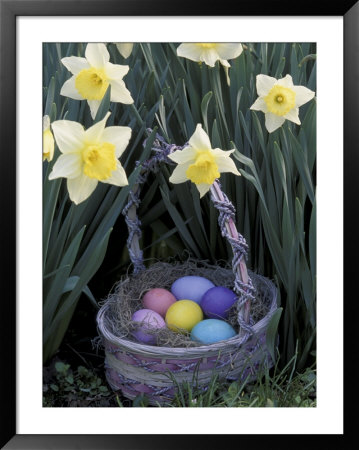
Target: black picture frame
9	11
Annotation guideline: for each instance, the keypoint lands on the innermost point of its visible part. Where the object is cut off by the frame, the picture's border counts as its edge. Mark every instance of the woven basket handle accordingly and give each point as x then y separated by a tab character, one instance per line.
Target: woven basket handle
243	285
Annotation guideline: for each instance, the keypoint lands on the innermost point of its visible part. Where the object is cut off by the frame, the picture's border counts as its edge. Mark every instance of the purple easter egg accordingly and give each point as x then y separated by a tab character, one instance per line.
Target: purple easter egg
217	302
149	321
191	287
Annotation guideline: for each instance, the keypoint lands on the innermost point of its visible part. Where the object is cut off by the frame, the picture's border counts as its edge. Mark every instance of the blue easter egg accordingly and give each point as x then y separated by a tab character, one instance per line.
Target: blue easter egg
210	331
191	288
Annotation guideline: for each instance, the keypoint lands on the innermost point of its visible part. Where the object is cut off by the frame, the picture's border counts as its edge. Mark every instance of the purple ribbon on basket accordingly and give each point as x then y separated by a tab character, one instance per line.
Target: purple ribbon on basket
242	285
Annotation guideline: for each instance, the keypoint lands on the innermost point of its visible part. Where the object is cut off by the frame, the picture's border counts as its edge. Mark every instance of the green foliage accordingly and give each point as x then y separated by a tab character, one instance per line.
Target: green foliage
80	387
275	198
273	388
273	392
140	401
271	334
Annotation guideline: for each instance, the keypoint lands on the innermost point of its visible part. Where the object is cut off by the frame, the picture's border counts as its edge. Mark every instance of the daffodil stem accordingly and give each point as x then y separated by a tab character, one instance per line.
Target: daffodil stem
232	231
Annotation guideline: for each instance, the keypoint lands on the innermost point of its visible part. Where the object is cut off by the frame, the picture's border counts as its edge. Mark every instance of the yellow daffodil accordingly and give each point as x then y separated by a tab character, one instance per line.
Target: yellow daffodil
280	100
48	143
209	53
200	163
89	156
91	77
125	48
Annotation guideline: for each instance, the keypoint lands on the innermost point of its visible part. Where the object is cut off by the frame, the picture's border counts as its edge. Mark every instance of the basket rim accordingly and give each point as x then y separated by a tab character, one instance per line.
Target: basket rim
159	351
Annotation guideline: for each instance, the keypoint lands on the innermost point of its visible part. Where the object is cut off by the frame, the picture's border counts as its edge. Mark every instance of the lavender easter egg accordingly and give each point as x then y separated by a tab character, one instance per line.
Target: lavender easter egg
217	302
210	331
158	300
148	322
191	288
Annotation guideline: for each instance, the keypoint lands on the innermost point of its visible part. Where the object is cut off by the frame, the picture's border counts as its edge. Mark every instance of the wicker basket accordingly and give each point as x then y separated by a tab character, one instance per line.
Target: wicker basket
134	368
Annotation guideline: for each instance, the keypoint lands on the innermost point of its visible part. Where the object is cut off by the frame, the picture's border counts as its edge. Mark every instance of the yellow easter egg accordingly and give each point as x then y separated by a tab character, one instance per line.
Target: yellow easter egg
183	315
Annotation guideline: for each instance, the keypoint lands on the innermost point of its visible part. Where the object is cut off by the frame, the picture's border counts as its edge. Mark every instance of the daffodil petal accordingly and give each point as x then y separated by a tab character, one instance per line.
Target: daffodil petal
125	48
119	92
190	51
75	64
94	106
293	116
97	55
45	123
218	153
116	71
81	188
229	50
69	135
302	95
118	177
94	133
69	90
210	56
259	105
273	122
287	81
224	162
264	84
188	154
119	136
179	173
67	166
200	140
203	188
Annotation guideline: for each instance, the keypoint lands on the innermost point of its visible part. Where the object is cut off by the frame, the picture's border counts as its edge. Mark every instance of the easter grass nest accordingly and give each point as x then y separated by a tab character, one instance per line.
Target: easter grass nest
126	298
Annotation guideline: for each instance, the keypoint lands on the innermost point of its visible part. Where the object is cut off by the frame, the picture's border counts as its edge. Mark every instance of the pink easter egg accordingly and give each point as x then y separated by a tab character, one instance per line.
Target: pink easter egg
149	322
158	300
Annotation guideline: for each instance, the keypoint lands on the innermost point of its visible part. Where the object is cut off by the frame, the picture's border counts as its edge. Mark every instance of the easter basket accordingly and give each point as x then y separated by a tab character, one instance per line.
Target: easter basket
135	368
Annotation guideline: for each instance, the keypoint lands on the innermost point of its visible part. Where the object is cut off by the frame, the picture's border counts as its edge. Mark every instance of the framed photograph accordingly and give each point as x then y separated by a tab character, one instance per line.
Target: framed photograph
178	149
